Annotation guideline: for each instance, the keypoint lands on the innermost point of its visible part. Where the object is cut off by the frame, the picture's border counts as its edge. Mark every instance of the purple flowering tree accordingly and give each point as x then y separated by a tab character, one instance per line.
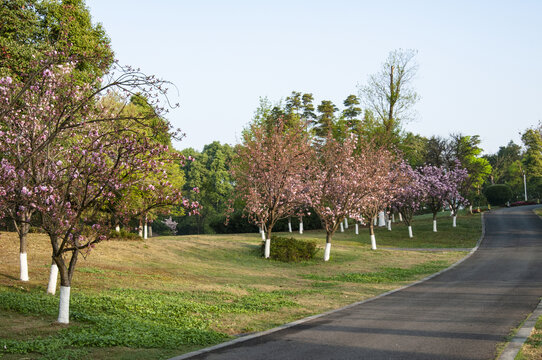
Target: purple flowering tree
457	177
439	189
66	155
410	196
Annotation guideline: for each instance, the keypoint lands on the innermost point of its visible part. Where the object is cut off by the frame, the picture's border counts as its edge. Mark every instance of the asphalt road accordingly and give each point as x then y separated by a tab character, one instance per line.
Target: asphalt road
462	313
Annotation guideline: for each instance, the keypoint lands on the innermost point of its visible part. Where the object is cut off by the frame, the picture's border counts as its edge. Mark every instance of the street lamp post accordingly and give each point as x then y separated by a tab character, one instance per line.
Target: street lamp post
525	185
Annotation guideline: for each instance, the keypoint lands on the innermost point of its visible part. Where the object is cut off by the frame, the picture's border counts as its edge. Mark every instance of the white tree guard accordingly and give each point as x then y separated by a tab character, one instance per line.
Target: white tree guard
381	219
53	275
64	306
24	266
327	251
373	242
267	251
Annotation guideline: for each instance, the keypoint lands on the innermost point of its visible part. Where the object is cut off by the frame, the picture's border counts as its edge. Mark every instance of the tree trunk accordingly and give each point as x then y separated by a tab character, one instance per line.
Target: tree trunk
301	226
373	239
400	217
389	224
150	230
434	225
470	209
145	230
410	232
140	230
393	217
345	223
117	228
22	229
66	274
342	227
375	221
289	225
327	250
357	229
53	276
454	221
267	250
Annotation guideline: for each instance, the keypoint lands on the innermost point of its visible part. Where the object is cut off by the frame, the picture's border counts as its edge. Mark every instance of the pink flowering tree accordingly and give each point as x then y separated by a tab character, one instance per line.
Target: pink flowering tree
344	179
71	155
409	197
439	188
457	177
269	173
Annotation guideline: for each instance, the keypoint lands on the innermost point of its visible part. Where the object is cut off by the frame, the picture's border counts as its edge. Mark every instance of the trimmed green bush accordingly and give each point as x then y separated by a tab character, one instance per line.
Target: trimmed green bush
498	194
123	235
290	249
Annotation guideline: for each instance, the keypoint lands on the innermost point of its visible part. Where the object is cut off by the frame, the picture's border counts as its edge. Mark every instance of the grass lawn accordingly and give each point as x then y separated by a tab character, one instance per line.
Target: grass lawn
169	295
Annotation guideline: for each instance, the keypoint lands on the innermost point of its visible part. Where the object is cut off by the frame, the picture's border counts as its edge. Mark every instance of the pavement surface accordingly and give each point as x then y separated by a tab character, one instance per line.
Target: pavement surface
463	313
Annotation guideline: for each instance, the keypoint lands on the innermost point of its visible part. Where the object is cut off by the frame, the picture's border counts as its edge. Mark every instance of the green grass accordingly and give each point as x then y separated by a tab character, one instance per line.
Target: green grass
170	295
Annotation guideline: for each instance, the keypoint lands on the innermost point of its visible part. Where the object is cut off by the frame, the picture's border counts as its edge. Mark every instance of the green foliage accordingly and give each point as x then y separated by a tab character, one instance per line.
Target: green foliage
134	318
385	275
498	194
123	235
290	249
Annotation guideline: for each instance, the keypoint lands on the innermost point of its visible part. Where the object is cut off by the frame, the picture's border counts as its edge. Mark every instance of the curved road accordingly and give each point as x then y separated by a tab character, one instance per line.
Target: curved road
462	313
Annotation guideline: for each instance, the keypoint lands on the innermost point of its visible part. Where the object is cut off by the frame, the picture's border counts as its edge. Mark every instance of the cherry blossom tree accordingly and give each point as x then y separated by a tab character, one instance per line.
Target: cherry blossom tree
457	178
70	155
439	188
345	178
270	173
410	196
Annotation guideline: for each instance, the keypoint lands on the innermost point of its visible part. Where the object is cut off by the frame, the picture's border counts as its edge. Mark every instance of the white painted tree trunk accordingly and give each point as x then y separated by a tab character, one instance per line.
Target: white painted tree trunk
342	227
455	221
345	223
301	227
434	225
400	217
117	228
267	251
289	225
327	251
373	242
470	209
393	217
145	231
53	275
357	229
375	221
263	235
64	306
24	266
410	232
389	224
381	219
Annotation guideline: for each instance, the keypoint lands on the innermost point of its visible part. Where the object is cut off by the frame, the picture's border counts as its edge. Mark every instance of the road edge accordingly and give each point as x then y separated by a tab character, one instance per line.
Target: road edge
309	318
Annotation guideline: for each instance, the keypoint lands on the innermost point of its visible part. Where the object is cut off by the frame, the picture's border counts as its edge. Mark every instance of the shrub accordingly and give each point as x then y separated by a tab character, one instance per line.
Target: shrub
498	194
290	249
521	203
123	235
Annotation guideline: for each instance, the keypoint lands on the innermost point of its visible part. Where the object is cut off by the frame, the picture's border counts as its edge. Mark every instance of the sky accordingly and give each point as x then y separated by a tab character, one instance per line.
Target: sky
480	62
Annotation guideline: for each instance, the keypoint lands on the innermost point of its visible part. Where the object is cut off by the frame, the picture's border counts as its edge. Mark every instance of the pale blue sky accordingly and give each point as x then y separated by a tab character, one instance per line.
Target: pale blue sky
480	62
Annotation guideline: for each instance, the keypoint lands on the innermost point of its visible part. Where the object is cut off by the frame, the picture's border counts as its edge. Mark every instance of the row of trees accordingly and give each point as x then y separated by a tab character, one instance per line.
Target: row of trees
282	171
84	147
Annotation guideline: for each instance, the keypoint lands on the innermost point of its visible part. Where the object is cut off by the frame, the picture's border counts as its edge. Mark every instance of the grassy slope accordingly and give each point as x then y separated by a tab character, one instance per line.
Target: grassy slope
169	295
